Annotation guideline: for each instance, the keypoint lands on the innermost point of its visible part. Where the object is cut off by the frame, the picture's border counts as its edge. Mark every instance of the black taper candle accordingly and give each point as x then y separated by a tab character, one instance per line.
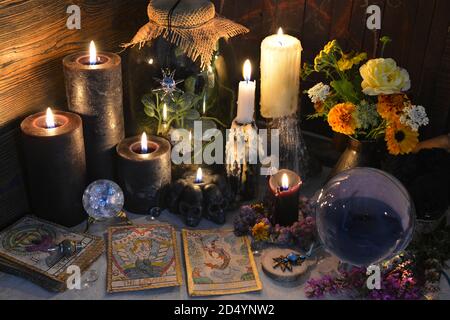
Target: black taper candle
55	167
94	91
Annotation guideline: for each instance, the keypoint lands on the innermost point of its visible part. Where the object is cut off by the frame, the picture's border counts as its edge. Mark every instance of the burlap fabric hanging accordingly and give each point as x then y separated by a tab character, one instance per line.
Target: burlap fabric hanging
194	27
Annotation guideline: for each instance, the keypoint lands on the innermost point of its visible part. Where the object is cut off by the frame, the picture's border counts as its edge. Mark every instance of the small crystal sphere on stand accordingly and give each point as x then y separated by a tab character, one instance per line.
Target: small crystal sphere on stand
103	200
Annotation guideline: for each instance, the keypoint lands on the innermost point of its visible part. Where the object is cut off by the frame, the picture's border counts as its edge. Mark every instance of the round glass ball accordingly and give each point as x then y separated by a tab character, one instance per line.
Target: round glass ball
365	216
103	199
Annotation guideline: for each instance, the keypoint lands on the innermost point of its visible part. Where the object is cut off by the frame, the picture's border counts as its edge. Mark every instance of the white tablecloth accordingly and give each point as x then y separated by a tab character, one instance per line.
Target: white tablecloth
16	288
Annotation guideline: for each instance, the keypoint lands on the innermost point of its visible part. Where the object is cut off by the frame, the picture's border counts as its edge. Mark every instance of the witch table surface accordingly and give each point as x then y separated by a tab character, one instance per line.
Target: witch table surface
17	288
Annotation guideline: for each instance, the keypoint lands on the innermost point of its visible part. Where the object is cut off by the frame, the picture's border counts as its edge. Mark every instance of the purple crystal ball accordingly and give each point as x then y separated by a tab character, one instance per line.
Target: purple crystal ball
365	216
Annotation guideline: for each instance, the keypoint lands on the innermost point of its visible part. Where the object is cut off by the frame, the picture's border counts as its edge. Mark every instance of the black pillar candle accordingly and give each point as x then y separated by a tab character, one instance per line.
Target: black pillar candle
285	189
143	173
55	167
94	91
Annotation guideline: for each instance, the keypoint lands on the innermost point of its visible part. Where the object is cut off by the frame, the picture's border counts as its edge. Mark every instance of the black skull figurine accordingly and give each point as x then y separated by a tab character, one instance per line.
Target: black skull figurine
225	188
214	204
190	205
173	196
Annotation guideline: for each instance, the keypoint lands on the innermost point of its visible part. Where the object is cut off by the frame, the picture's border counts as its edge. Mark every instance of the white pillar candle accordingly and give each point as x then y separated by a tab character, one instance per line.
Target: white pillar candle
246	98
280	75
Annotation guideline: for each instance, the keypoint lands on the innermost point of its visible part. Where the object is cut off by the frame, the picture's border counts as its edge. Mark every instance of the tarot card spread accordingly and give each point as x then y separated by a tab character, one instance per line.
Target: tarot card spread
26	245
218	263
142	257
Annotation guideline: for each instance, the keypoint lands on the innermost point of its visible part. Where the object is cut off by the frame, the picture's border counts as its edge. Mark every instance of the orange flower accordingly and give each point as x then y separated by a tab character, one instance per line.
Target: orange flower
341	118
391	106
400	139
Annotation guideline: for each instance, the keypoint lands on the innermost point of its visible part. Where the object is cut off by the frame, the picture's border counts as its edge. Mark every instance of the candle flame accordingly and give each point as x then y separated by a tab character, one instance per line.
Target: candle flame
280	36
50	119
92	53
247	70
285	182
199	177
165	112
144	143
204	104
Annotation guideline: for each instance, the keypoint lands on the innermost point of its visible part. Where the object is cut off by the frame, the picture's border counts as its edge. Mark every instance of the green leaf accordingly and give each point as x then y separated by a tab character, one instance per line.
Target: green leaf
192	114
147	101
346	90
150	112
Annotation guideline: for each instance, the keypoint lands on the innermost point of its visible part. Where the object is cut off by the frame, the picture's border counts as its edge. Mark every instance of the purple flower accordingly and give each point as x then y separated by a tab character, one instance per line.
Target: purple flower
244	221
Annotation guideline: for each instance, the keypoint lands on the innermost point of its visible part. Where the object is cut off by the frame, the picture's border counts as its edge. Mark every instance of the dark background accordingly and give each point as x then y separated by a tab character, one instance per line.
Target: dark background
34	39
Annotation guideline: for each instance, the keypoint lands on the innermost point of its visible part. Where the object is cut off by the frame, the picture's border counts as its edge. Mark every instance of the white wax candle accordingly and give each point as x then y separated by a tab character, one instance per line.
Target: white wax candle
246	97
280	75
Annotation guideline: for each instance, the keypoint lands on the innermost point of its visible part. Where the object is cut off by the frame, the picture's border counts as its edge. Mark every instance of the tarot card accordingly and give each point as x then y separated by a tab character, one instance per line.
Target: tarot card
219	263
25	250
142	257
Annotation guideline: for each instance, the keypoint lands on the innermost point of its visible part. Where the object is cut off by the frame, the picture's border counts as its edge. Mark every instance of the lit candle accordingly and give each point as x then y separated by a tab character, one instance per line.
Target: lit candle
280	75
144	143
50	119
284	182
144	169
204	104
246	98
92	54
165	112
54	158
285	189
94	91
199	176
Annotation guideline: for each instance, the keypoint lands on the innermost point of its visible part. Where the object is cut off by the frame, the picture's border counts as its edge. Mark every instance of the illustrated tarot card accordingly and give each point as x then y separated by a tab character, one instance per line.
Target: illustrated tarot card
142	257
219	263
25	250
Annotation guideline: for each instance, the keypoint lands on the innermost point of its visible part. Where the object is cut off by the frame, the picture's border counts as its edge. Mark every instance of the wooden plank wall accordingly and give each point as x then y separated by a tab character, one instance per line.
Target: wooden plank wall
34	39
419	29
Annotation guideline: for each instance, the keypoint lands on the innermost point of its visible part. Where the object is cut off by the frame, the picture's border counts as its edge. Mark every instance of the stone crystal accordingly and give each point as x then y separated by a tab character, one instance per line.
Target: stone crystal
103	199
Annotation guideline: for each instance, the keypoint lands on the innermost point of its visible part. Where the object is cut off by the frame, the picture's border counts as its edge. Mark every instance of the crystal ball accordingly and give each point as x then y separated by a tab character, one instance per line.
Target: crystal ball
364	216
103	199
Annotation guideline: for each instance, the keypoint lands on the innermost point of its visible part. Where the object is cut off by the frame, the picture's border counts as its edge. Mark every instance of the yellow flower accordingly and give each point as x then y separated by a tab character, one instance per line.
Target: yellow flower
318	61
390	107
400	139
383	76
347	61
260	231
330	46
344	64
359	58
341	118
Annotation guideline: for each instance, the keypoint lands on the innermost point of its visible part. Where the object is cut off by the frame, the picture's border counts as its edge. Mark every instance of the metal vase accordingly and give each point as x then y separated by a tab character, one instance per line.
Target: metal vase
358	154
